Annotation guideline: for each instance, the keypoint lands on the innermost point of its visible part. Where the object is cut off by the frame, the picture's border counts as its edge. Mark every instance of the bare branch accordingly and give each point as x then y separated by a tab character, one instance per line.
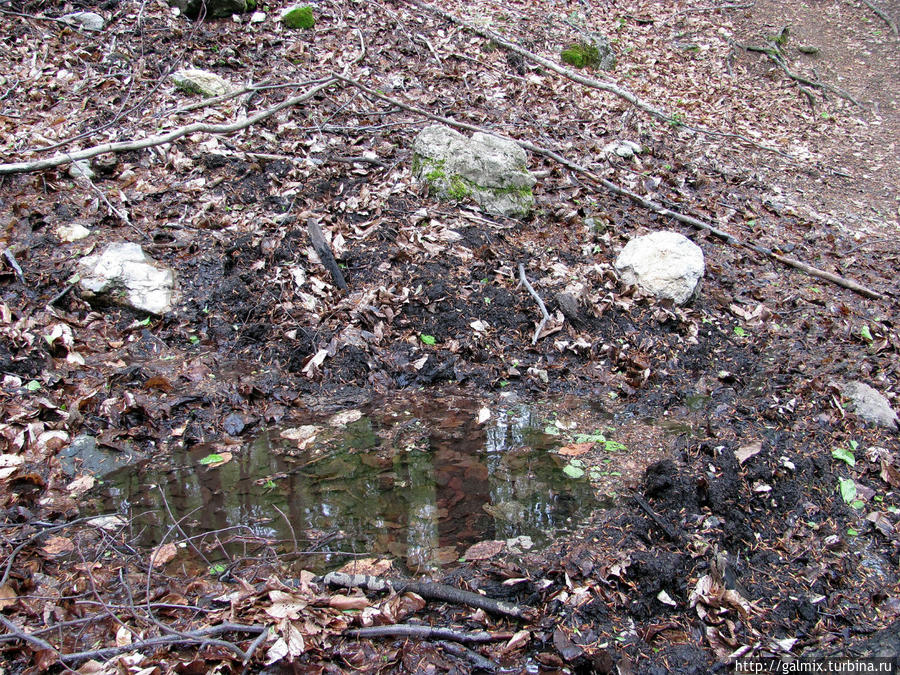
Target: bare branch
545	317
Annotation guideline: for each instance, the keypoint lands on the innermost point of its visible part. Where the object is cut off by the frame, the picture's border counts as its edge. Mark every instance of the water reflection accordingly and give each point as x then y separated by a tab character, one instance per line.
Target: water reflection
421	482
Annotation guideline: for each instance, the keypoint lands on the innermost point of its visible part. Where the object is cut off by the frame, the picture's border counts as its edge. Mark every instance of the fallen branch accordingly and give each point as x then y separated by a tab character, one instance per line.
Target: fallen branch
161	139
881	13
671	534
616	189
775	56
591	82
427	590
545	316
421	632
477	660
324	252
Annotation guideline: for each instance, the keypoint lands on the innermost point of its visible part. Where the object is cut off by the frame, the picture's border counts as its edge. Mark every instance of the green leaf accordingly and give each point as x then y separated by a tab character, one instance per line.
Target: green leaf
551	430
865	333
145	322
852	532
217	569
212	459
857	504
34	385
427	339
573	471
614	446
269	484
847	488
740	332
590	438
194	339
844	455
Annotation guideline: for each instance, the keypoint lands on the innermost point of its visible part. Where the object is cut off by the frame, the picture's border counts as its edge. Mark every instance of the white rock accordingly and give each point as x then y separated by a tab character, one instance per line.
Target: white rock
667	265
870	405
86	20
81	168
258	17
624	149
74	232
127	276
196	81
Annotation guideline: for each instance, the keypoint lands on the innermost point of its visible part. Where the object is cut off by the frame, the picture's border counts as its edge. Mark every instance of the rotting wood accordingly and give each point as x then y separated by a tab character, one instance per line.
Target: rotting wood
470	655
324	252
426	633
645	203
427	590
545	317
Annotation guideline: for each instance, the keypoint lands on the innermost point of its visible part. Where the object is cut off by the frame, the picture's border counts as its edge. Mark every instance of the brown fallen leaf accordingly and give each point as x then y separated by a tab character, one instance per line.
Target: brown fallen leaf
575	449
81	485
344	602
7	596
745	452
372	566
484	549
58	546
163	554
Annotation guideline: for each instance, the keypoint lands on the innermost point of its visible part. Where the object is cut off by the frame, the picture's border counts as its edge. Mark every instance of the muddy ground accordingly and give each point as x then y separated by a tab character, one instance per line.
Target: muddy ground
729	536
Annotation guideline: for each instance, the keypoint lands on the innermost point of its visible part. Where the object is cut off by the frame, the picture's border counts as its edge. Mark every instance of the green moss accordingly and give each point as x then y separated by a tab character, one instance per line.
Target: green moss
299	17
459	189
580	55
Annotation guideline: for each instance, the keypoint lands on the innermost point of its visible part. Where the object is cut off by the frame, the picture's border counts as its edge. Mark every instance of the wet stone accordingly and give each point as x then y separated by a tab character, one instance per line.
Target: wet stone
85	455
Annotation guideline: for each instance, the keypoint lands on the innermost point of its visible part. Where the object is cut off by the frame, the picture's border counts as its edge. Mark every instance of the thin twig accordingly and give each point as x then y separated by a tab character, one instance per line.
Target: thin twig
11	259
168	137
290	527
545	317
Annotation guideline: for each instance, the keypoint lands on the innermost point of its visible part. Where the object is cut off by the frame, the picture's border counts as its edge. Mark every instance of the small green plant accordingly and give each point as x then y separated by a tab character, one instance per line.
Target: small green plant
427	339
217	569
581	55
845	455
33	385
677	119
740	332
865	333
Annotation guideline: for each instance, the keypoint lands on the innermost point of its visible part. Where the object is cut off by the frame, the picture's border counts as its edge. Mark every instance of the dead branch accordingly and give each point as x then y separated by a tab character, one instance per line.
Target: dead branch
477	660
168	137
427	590
324	252
545	317
645	203
670	532
421	632
774	55
591	82
11	259
881	13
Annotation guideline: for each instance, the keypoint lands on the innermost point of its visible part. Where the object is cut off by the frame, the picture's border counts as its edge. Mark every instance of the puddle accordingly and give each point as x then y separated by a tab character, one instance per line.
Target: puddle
419	482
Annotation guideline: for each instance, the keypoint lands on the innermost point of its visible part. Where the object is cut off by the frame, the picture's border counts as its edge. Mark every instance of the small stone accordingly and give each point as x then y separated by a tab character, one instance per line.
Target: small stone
81	168
258	17
86	20
870	405
74	232
196	81
665	264
233	424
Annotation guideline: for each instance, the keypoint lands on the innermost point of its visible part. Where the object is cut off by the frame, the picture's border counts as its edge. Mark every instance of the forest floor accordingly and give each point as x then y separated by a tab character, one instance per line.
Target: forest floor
759	520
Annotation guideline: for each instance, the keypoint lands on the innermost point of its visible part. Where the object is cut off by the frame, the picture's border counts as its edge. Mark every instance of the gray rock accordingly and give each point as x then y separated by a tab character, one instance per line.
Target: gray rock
125	275
215	9
81	168
870	405
487	169
624	149
195	81
84	455
665	264
604	51
86	20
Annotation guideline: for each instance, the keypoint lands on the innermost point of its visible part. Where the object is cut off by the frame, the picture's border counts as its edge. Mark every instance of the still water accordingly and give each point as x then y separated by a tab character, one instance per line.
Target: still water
419	482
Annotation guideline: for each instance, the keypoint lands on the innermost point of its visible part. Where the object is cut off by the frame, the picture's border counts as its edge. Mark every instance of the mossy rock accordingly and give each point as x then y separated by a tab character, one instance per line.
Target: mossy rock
299	16
580	55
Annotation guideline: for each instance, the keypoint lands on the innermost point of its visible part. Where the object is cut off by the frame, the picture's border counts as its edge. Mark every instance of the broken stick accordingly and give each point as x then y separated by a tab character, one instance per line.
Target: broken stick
324	252
545	316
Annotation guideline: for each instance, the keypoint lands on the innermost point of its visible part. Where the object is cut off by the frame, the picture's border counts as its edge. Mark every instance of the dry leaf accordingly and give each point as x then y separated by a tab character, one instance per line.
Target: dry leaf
484	549
123	636
344	602
372	566
285	606
7	596
58	546
745	452
575	449
81	485
163	554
